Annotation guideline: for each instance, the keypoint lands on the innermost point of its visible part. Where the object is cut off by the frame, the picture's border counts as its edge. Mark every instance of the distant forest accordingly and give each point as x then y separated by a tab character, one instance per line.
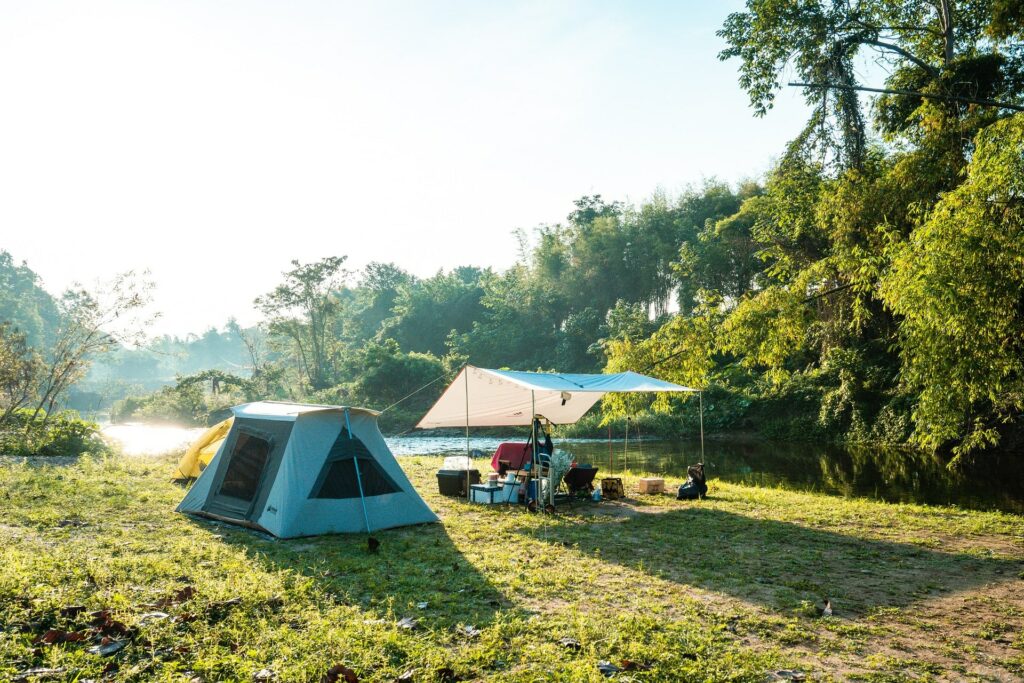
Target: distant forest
869	288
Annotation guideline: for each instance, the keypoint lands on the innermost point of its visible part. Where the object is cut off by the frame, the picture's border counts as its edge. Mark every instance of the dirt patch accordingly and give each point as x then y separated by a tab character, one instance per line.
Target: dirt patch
625	507
988	623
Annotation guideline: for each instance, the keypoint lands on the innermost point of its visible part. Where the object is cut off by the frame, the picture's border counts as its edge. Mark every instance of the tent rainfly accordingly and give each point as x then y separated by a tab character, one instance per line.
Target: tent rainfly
504	398
300	470
202	450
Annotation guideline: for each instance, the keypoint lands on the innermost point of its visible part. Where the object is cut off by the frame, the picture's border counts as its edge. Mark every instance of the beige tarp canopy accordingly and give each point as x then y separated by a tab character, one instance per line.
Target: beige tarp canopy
498	398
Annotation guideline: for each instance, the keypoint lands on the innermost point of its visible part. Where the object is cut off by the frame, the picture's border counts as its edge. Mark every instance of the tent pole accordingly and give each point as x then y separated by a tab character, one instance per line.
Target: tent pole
465	374
700	396
359	479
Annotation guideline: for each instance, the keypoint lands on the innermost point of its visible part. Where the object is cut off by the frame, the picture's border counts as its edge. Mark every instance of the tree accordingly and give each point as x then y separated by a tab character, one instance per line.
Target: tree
715	246
938	51
376	297
390	375
301	310
958	285
24	304
91	324
20	366
427	311
681	350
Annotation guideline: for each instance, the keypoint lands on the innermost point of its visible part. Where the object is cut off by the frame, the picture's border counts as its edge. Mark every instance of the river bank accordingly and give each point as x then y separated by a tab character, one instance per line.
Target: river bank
991	482
722	589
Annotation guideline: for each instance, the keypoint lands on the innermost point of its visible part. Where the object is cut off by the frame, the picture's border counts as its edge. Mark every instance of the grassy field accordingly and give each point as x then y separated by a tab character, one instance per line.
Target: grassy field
92	554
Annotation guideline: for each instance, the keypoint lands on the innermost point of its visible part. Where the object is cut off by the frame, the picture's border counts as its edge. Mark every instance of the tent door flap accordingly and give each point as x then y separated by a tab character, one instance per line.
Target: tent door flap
243	475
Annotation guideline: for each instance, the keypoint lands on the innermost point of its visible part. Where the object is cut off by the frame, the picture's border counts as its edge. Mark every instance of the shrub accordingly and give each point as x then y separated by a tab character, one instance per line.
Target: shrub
61	434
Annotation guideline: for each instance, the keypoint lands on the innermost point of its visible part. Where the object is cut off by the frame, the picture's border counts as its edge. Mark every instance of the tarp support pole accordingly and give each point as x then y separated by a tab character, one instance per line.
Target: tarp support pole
700	397
625	448
359	479
465	374
551	481
533	429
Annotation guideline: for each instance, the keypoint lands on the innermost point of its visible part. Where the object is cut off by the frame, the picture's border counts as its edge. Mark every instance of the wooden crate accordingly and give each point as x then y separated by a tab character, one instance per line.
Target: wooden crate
652	485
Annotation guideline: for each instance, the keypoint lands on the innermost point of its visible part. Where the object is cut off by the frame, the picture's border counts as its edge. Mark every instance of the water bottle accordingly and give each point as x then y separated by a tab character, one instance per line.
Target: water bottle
596	495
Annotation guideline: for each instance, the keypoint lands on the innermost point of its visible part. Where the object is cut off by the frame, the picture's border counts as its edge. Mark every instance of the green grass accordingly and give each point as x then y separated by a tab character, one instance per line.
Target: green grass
717	590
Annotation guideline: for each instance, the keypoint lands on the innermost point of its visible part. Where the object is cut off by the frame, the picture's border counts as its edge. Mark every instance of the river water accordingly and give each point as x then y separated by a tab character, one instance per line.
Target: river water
992	482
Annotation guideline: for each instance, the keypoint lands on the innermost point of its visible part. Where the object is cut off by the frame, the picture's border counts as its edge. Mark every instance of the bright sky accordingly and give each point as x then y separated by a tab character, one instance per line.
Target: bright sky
213	141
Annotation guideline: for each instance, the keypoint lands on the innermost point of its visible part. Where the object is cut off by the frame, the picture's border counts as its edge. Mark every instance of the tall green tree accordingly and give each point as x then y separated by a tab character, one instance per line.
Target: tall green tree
958	284
426	312
942	52
24	304
20	367
301	312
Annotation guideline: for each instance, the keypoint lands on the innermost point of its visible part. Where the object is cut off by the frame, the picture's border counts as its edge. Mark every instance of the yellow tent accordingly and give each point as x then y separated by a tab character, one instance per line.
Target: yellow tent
201	452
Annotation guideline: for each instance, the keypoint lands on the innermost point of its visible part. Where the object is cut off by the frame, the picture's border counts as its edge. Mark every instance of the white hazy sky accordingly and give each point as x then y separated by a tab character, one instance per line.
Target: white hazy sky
214	141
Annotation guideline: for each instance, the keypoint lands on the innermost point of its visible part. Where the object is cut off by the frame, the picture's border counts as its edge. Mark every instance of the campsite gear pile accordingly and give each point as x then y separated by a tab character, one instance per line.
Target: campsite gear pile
292	469
482	397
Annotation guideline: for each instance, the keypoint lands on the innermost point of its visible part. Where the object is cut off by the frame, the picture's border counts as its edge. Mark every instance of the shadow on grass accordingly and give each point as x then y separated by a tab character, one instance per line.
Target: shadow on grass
776	564
414	565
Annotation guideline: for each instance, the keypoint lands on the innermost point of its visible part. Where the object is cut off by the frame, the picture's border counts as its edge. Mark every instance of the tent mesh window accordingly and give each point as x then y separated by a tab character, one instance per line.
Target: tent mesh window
248	458
338	477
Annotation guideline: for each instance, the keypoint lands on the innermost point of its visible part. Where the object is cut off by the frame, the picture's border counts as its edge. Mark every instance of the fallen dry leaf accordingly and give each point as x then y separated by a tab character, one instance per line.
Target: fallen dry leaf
630	665
56	636
339	672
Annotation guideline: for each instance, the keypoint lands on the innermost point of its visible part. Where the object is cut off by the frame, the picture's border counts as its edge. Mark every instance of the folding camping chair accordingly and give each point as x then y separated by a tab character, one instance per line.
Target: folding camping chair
580	481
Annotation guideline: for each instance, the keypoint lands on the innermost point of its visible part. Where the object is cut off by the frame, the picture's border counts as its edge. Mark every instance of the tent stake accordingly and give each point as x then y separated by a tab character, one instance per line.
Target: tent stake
359	479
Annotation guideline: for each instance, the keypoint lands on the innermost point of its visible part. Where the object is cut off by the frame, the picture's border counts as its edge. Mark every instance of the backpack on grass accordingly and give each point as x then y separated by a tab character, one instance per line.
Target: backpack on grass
696	485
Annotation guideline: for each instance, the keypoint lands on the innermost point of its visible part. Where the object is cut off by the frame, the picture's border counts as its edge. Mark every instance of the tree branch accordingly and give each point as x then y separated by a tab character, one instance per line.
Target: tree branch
828	292
911	93
932	71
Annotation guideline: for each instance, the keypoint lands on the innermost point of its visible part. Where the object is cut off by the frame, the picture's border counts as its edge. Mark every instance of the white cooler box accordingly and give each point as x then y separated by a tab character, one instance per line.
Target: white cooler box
491	495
